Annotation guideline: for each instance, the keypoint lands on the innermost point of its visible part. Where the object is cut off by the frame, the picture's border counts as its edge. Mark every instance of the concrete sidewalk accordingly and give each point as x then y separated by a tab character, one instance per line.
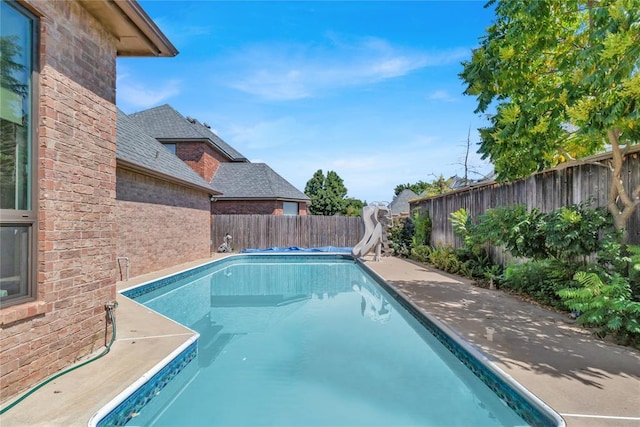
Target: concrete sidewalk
588	381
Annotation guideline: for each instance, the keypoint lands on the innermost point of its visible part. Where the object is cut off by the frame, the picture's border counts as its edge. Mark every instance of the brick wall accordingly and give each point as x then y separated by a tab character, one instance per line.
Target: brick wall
76	223
252	207
201	157
160	224
246	207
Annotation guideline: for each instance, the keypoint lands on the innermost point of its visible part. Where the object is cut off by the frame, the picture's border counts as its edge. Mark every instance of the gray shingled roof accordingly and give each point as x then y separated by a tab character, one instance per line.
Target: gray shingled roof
165	123
136	147
253	181
400	203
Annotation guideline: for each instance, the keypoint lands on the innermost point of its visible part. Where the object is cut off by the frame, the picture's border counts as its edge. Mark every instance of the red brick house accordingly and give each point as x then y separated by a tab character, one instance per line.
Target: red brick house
162	205
62	203
247	188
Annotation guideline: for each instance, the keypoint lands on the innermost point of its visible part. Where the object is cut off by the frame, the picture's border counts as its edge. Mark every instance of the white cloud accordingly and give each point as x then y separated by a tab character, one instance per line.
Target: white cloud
284	131
442	95
134	94
294	71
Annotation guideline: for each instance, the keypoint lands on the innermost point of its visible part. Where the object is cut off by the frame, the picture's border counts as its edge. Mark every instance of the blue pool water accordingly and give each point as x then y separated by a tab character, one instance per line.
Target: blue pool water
309	341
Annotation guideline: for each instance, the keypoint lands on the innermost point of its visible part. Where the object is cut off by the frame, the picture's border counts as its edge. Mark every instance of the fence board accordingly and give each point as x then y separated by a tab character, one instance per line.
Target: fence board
266	231
549	190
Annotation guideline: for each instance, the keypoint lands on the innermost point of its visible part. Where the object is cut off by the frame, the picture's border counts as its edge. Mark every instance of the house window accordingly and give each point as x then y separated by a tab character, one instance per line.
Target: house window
171	148
17	158
290	208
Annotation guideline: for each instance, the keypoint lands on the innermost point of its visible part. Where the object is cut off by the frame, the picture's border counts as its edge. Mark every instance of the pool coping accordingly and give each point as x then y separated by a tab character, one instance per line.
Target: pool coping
465	352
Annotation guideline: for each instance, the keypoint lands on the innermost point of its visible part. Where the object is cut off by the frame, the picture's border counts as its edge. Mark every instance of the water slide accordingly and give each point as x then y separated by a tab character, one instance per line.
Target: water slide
372	232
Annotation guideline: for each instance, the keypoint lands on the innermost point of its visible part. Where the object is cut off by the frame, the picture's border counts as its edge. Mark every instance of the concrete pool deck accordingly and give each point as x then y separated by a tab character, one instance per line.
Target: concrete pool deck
589	382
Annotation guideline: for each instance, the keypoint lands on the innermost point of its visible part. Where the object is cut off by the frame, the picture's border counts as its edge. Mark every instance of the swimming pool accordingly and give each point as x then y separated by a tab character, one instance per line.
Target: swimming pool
313	340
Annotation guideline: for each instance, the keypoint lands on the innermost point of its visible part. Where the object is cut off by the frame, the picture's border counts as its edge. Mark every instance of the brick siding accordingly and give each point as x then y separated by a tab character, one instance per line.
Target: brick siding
252	207
201	157
76	221
160	224
246	207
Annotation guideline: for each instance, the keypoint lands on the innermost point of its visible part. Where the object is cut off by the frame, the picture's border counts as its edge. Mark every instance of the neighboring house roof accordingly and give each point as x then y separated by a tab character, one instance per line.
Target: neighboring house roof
166	124
459	182
400	203
136	149
253	181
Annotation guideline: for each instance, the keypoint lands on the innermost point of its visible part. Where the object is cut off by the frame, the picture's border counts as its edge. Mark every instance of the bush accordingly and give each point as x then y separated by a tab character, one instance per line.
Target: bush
401	236
557	245
605	306
478	265
539	279
576	232
444	258
420	253
568	234
422	229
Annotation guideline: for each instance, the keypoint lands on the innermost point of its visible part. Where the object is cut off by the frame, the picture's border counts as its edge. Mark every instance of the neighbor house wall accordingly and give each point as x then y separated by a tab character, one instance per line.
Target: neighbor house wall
201	157
160	224
76	155
252	207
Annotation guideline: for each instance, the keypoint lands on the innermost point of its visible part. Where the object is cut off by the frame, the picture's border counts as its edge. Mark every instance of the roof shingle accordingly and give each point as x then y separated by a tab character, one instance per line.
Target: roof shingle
253	181
165	123
136	147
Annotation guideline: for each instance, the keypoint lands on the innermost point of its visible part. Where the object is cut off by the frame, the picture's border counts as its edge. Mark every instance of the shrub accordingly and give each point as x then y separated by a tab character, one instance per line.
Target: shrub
401	236
568	234
420	253
422	229
444	258
605	306
576	232
475	264
539	279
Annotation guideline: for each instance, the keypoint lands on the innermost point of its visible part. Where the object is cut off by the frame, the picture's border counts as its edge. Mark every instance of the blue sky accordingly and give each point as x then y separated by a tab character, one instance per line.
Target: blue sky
369	90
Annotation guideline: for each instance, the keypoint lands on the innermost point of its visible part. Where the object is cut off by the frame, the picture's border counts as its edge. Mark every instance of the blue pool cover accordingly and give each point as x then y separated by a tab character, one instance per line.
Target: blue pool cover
299	249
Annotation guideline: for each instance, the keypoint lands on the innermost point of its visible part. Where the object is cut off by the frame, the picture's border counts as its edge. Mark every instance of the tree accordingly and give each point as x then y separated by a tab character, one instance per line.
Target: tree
353	207
563	79
438	186
327	194
418	188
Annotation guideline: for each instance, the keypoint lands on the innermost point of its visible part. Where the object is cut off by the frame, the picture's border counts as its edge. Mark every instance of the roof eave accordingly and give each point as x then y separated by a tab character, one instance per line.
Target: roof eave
257	199
125	164
134	30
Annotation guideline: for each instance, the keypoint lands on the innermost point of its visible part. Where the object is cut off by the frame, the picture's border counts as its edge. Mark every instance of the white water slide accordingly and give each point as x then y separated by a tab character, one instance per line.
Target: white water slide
372	231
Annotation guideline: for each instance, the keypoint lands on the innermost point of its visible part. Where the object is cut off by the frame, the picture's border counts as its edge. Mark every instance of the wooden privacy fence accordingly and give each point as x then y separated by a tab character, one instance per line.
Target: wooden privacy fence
570	183
266	231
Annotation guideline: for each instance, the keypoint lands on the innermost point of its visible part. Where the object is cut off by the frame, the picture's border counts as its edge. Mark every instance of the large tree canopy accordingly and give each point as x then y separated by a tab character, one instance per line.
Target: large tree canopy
561	80
327	194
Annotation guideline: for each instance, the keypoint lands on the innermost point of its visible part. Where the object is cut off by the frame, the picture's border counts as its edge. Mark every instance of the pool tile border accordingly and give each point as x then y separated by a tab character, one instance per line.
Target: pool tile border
130	402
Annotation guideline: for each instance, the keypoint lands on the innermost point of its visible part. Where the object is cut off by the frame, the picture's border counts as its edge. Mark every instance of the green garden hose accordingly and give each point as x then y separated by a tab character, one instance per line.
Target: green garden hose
109	307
